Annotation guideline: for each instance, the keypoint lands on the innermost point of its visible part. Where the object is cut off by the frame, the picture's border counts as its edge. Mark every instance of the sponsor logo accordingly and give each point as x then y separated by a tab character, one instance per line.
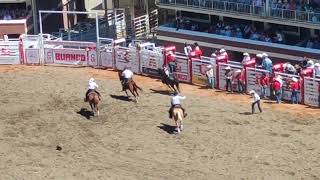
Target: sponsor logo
69	57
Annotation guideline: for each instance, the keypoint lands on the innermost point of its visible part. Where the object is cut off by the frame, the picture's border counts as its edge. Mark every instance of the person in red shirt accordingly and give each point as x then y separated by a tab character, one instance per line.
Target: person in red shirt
294	85
222	57
171	62
264	83
196	53
277	87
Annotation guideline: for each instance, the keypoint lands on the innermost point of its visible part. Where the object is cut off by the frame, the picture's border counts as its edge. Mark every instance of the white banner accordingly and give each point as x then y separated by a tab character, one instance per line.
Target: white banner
106	57
253	80
183	69
312	91
92	57
127	57
70	56
48	56
151	61
32	56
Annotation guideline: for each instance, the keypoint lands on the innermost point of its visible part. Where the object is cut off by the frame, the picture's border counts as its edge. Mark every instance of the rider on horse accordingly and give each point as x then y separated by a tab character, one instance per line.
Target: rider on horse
175	103
127	75
92	88
168	73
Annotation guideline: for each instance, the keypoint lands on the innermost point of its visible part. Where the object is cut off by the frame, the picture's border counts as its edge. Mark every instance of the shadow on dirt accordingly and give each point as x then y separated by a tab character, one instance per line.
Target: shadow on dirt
122	98
85	113
167	128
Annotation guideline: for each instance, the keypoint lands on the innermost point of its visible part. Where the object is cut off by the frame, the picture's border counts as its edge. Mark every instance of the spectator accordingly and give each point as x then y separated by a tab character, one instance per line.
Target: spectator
240	77
223	56
228	75
264	83
279	37
266	62
290	69
187	49
256	100
246	58
210	76
309	44
171	62
317	70
239	33
196	53
277	87
7	16
228	31
294	90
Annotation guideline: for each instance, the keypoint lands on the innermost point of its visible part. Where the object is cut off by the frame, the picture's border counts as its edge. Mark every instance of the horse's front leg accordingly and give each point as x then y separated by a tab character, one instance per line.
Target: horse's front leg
127	93
97	109
178	127
92	108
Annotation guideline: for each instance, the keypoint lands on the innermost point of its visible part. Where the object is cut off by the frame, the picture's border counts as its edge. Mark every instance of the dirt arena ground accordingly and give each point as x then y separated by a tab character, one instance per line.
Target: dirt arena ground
42	107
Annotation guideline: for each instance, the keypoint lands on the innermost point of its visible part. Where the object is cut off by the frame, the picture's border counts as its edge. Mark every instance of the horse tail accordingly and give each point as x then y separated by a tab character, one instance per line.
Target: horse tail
136	86
178	86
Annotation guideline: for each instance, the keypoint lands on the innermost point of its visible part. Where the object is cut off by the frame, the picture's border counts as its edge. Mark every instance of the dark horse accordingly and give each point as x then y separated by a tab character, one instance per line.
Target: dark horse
131	86
173	84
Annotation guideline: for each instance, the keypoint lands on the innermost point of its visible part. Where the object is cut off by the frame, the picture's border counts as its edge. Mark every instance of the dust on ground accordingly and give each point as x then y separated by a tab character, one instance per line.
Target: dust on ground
42	107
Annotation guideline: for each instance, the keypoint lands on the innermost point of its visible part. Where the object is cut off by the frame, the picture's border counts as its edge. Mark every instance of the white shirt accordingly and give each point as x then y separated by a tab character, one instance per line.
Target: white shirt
187	50
127	74
246	59
256	97
166	71
210	73
175	100
92	85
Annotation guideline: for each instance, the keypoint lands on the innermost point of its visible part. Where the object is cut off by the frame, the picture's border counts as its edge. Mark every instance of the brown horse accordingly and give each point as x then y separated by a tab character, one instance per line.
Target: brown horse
178	118
94	100
131	86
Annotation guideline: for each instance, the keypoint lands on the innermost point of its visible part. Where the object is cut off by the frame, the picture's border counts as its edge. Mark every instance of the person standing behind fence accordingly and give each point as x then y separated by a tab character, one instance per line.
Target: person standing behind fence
187	49
266	62
246	58
294	85
317	70
228	74
264	83
210	76
277	87
256	100
171	62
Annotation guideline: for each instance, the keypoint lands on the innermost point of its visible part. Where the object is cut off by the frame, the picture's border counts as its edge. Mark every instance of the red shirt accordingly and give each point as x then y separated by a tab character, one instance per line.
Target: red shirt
170	58
278	67
197	53
222	58
295	86
276	85
264	81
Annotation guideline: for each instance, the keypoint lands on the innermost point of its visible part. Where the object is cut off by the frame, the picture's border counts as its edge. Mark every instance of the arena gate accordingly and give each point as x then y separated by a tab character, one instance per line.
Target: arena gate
183	67
151	59
9	51
312	91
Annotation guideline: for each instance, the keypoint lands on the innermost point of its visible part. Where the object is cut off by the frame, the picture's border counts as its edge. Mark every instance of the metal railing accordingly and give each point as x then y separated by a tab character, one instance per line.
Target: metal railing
248	9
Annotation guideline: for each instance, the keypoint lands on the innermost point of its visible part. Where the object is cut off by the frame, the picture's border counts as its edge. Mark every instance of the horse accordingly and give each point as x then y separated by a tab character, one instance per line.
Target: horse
173	84
178	118
131	86
94	100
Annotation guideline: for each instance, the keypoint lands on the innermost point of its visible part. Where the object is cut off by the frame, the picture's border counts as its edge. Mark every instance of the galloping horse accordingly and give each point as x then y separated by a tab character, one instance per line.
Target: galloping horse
178	118
94	100
131	86
173	84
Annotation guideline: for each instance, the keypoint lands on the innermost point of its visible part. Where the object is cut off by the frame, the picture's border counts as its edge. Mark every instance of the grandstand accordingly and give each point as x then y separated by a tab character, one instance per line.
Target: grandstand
286	29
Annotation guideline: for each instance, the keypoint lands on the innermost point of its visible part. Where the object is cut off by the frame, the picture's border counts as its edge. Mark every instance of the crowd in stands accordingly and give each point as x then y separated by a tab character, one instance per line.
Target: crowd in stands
18	13
246	31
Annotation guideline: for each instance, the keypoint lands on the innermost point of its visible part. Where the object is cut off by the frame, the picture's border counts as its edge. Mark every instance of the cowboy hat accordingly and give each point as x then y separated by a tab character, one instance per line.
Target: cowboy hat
228	67
264	55
91	79
246	54
222	50
210	66
294	79
317	65
252	92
